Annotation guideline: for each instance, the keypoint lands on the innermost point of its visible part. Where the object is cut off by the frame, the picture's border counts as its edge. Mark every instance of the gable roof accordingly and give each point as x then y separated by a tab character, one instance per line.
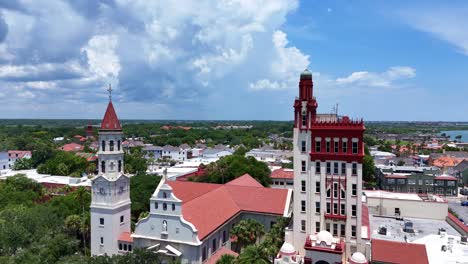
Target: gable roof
245	180
20	153
398	252
208	206
72	147
110	120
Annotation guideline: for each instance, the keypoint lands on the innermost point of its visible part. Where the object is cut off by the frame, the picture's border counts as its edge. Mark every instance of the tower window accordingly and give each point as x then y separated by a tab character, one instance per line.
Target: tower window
103	145
303	146
335	208
327	146
173	207
327	227
303	186
343	194
328	208
354	169
354	189
111	145
353	210
335	168
343	209
121	219
317	207
156	205
336	146
317	187
335	229
335	190
343	230
118	145
318	146
353	230
317	167
328	168
164	206
304	119
345	147
303	206
103	166
343	168
102	240
101	221
303	166
317	226
355	147
303	225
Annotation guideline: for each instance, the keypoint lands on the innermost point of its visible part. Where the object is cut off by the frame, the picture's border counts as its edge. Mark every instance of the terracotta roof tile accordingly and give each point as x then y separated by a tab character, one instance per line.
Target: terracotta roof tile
209	206
282	174
21	153
398	252
125	236
245	180
110	120
72	147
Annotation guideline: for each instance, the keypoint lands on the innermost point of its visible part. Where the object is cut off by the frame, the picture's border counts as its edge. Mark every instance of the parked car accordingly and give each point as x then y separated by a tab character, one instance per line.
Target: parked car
464	203
464	191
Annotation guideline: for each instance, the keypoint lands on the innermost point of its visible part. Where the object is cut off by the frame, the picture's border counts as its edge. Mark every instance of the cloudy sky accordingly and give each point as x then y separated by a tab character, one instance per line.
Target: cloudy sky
233	59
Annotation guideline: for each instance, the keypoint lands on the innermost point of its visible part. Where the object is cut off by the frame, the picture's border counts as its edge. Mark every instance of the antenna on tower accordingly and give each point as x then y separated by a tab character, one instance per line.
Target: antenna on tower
110	92
336	109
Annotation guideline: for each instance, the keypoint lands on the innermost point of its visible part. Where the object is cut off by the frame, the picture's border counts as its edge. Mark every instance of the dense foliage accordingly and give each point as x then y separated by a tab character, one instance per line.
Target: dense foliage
230	167
66	163
135	161
142	186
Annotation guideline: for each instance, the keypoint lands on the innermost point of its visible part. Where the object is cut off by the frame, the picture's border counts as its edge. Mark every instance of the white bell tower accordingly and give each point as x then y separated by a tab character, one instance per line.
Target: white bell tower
110	203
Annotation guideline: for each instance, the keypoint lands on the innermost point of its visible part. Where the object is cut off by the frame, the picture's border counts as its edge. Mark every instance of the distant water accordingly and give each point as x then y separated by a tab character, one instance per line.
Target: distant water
454	133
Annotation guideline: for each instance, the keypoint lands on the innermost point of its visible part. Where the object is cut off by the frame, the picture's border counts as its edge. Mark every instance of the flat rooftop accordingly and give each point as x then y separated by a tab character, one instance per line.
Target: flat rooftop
422	228
456	253
401	196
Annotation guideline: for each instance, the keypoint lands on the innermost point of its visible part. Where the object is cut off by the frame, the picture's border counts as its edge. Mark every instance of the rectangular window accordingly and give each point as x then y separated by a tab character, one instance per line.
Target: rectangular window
343	168
204	253
303	146
343	209
402	181
335	208
353	230
335	229
317	207
336	146
303	225
397	211
328	208
317	187
420	182
304	119
317	226
224	236
102	240
121	219
355	147
318	146
120	246
354	169
213	246
451	183
329	193
343	230
327	227
328	146
354	189
353	210
345	147
303	206
412	181
335	190
317	167
335	168
390	181
328	168
343	194
303	186
101	221
303	165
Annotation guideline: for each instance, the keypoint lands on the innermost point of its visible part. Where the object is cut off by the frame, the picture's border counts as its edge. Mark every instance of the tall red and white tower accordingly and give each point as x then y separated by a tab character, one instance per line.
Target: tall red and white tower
328	154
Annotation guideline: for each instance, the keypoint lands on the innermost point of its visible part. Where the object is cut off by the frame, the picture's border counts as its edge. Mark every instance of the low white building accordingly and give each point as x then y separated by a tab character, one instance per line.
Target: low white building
282	178
4	163
14	155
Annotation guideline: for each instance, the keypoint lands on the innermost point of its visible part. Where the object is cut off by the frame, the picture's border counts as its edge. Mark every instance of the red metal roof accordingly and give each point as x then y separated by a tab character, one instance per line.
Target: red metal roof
21	153
125	237
398	252
110	120
446	178
245	180
208	206
282	174
216	256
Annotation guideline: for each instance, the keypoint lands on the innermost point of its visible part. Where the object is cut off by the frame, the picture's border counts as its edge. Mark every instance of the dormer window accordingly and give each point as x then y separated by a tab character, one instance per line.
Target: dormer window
173	207
164	195
111	145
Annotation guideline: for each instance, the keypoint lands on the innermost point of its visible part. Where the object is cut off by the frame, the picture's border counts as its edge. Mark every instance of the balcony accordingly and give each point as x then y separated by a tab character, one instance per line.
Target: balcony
335	216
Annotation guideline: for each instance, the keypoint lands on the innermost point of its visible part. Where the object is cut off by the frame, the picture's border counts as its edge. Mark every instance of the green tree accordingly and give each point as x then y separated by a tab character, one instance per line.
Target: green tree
368	169
226	259
247	232
142	186
253	255
23	164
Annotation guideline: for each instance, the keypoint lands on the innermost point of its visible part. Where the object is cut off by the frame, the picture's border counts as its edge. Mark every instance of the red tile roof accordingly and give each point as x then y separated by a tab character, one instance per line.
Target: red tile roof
398	252
282	174
208	206
216	256
21	153
245	180
88	156
125	237
110	120
445	178
72	147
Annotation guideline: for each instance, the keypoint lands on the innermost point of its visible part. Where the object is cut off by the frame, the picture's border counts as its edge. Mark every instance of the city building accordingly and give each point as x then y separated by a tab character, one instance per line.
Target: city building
191	221
282	178
110	191
72	147
14	155
4	163
328	154
413	179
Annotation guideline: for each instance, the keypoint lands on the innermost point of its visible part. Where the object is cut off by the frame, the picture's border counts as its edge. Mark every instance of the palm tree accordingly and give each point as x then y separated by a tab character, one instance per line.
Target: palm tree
226	259
247	232
253	255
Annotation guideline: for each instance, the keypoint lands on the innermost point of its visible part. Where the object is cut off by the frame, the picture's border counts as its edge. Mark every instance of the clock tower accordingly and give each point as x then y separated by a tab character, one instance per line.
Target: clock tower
110	191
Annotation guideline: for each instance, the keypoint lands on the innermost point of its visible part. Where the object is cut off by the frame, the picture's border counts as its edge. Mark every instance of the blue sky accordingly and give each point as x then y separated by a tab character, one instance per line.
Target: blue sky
380	60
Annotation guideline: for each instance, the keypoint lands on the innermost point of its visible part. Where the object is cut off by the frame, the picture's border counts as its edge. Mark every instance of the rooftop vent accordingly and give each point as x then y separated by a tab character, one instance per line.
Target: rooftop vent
408	227
464	240
382	230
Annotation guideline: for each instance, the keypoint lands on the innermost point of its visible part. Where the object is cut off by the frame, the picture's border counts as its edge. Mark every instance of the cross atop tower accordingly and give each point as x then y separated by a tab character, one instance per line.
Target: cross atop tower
110	92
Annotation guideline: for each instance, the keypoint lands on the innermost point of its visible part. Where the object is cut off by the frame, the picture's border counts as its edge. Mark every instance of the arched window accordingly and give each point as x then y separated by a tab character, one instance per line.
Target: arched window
120	165
103	145
156	205
164	206
118	145
111	145
103	166
173	207
164	195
